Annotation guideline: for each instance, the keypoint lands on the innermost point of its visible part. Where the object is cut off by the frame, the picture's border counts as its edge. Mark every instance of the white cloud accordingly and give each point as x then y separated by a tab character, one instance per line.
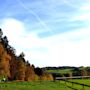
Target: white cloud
85	7
81	17
63	49
13	29
69	48
83	13
13	25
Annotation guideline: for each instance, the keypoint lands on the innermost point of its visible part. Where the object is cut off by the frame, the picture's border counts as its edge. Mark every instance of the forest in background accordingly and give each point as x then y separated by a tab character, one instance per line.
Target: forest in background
13	67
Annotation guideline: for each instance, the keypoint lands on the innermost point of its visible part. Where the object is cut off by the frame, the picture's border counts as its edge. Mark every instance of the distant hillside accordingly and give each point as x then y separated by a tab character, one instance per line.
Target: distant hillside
68	71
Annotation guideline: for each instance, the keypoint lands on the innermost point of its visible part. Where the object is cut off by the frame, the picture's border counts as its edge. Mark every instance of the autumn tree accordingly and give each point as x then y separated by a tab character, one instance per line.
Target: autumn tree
4	56
29	74
13	67
84	71
4	62
21	68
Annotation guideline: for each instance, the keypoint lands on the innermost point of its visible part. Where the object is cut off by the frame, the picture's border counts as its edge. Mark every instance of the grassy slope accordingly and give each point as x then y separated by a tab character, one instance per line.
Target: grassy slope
62	71
82	81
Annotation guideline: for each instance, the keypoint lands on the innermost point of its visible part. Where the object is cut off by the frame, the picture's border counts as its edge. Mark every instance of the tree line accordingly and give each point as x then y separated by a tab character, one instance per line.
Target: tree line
13	67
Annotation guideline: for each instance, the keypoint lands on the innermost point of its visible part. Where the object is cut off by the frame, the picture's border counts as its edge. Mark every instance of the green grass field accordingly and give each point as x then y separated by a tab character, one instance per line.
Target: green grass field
61	71
81	81
44	85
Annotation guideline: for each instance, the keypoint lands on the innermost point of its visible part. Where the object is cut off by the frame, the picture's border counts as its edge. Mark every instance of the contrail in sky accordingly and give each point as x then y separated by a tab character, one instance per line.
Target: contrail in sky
37	17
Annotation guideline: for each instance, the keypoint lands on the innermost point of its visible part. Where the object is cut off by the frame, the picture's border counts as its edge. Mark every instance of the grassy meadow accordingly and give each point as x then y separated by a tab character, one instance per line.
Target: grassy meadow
81	81
43	85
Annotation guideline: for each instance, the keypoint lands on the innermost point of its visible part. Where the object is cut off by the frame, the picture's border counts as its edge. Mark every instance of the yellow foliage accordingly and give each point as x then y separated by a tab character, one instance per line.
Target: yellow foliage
30	74
4	62
49	77
21	70
37	78
43	77
46	76
7	57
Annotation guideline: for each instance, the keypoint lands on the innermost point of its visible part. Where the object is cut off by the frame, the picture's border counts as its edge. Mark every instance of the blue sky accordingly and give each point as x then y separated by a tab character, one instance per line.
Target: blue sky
49	32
